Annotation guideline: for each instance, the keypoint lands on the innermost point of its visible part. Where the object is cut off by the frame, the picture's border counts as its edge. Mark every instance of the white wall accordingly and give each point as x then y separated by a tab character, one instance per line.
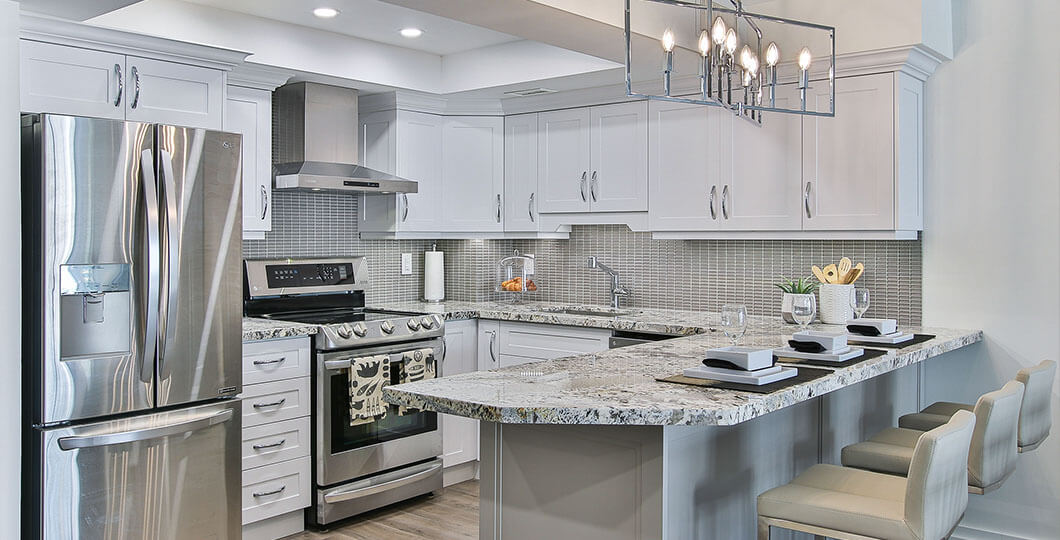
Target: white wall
992	232
11	306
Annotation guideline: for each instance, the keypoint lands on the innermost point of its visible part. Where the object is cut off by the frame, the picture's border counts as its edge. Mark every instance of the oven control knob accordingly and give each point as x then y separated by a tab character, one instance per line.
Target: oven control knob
414	325
387	327
427	323
344	331
360	329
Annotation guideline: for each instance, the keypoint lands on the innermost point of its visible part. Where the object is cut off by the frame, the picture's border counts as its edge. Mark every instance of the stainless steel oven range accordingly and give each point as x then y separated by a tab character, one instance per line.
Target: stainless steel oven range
359	466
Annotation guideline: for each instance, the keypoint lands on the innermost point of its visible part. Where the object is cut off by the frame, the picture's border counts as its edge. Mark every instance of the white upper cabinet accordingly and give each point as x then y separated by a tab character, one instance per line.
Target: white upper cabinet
685	185
171	93
69	80
248	111
75	81
850	161
563	160
618	157
520	173
760	163
473	174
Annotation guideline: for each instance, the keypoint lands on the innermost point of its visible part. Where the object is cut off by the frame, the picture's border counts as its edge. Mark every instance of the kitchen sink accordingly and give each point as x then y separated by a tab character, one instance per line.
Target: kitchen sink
591	312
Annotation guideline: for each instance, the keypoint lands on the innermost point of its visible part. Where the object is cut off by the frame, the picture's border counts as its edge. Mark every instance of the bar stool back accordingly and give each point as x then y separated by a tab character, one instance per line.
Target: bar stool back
1036	414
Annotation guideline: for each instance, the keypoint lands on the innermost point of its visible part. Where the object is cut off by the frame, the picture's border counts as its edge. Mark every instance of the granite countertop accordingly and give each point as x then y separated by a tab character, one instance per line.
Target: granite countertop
618	386
259	329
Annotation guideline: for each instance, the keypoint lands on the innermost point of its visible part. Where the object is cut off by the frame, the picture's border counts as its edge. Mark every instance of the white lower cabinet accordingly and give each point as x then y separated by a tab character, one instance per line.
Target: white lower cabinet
459	434
276	438
505	344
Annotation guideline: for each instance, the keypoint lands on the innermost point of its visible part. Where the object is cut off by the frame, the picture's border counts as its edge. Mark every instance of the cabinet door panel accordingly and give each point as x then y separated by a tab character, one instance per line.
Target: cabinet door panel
762	190
69	80
473	174
248	111
459	434
488	354
618	136
681	181
520	173
563	160
175	94
419	158
849	159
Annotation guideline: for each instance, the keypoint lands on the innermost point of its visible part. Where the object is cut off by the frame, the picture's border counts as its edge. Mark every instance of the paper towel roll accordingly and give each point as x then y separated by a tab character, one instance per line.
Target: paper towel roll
433	276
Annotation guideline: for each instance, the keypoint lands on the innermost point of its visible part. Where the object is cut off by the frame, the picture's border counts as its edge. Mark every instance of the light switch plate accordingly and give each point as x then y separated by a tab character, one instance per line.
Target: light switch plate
406	264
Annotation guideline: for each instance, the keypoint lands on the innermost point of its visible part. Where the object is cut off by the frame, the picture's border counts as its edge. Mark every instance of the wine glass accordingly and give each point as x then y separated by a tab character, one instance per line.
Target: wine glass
859	300
734	321
803	309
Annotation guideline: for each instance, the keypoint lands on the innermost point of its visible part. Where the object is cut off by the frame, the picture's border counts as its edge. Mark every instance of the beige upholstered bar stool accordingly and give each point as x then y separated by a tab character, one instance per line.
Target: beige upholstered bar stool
1035	418
992	456
852	504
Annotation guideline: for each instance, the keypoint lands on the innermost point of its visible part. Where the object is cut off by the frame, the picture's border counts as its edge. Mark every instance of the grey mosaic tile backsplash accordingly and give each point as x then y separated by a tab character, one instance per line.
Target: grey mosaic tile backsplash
679	274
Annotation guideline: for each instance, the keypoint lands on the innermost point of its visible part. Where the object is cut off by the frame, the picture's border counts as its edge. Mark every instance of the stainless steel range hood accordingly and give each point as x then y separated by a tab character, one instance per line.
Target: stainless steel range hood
315	143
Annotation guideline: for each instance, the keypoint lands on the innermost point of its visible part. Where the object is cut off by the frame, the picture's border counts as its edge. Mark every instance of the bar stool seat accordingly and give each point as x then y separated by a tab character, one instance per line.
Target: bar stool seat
852	504
992	451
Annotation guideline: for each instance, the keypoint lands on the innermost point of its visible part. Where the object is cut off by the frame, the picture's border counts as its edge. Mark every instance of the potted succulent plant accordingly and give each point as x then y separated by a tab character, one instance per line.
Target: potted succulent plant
792	287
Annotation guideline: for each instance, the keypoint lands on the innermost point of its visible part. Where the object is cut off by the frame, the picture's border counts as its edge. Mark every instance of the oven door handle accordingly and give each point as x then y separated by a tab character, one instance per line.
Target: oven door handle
366	488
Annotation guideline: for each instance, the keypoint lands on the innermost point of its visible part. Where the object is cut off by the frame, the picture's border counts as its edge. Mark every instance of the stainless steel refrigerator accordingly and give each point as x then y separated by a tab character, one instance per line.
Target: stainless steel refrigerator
132	330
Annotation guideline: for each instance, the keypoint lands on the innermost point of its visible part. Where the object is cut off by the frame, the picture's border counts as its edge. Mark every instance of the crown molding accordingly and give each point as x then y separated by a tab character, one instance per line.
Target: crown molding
259	76
62	32
408	100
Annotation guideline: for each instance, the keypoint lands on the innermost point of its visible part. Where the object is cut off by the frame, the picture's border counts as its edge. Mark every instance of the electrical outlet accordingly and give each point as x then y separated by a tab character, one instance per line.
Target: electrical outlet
406	264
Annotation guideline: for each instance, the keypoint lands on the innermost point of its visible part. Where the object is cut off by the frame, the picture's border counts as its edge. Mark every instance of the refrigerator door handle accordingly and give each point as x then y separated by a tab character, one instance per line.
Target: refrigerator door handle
173	227
147	362
187	426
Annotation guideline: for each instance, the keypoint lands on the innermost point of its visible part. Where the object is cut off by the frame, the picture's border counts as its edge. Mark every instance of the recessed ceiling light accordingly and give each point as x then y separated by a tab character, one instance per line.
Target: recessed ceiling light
325	12
411	32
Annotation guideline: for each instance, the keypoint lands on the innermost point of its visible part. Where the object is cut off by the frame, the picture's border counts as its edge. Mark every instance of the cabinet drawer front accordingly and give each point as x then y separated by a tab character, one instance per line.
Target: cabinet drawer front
275	489
547	342
275	442
69	80
276	401
275	360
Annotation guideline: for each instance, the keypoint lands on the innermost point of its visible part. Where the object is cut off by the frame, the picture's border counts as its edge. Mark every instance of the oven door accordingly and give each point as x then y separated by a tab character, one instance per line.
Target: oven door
345	452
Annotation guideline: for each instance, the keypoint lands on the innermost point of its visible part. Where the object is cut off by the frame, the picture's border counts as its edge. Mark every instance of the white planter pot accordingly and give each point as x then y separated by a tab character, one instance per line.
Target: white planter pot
834	306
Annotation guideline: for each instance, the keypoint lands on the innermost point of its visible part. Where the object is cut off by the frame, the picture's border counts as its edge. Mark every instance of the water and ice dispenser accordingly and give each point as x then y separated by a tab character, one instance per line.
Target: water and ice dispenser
95	310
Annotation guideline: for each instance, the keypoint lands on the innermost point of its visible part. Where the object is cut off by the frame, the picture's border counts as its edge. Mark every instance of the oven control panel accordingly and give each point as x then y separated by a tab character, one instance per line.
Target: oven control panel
309	275
281	277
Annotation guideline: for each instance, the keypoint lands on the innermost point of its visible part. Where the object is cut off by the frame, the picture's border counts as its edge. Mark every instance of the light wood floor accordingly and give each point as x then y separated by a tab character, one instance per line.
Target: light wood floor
450	515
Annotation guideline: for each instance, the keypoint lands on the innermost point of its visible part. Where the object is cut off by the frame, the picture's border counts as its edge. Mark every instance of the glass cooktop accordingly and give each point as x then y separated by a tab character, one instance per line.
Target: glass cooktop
336	316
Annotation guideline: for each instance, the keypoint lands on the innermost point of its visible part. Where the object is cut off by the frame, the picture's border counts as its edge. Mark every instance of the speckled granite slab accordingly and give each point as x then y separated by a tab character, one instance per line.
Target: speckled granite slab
618	386
259	329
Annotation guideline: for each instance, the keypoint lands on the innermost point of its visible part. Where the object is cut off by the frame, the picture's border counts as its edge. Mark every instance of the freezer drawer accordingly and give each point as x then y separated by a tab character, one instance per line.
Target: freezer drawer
170	476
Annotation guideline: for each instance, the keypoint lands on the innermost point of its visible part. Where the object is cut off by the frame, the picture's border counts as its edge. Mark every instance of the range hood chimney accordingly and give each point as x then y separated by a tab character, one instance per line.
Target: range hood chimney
315	141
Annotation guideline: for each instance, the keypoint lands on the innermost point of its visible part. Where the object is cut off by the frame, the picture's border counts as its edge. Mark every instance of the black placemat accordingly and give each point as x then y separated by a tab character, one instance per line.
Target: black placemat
869	354
805	375
917	338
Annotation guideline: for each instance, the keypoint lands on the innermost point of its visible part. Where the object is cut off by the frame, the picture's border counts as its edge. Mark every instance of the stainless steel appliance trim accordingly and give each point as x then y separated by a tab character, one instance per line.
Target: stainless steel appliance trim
91	441
147	360
173	263
259	283
136	87
121	84
338	183
371	486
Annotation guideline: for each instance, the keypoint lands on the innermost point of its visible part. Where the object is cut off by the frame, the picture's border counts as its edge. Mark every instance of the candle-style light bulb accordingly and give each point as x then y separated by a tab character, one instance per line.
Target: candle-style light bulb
772	54
718	31
805	58
752	64
704	42
668	40
747	78
745	57
730	42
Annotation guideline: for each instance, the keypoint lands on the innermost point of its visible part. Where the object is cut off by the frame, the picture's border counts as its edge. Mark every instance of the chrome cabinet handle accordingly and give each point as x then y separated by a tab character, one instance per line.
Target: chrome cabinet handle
806	199
405	215
136	87
273	404
121	84
364	488
151	202
498	208
276	444
592	186
264	202
267	493
724	199
108	439
713	193
530	208
493	339
267	362
581	188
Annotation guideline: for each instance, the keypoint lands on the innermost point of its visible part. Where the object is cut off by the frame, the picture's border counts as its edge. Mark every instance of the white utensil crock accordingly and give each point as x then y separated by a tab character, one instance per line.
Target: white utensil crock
834	306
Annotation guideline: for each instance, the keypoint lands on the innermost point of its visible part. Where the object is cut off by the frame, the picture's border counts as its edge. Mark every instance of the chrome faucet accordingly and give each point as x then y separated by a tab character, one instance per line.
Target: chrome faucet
616	289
